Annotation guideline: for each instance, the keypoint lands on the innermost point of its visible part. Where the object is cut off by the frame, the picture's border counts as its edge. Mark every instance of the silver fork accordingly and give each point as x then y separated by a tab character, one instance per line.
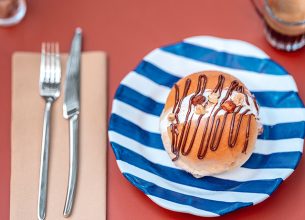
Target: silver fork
49	85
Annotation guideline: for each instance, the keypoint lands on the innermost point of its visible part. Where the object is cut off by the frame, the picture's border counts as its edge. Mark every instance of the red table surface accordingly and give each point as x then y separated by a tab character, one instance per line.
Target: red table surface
127	30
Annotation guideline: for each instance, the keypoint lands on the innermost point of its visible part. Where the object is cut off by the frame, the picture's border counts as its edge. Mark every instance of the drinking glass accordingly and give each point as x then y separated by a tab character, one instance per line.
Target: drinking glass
11	12
280	33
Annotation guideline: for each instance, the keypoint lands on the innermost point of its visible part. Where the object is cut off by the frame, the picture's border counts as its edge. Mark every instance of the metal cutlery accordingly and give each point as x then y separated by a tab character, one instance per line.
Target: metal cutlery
49	85
71	109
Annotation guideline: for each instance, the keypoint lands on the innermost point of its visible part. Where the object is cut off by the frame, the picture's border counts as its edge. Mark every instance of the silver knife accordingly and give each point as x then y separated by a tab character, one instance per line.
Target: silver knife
71	111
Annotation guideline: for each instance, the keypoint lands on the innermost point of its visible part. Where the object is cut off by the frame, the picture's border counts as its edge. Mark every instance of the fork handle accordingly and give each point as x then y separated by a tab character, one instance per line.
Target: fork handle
44	161
73	166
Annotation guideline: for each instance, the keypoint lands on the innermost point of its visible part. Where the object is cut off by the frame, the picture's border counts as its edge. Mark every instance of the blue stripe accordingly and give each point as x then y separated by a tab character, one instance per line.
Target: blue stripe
182	177
272	99
255	186
128	129
283	131
275	160
156	74
139	101
225	59
217	207
279	99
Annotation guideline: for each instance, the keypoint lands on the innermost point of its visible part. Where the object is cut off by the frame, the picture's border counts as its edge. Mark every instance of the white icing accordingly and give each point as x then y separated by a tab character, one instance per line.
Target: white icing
185	105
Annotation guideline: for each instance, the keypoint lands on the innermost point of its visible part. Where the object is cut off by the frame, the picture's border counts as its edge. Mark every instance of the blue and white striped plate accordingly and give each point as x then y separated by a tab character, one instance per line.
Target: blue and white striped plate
135	137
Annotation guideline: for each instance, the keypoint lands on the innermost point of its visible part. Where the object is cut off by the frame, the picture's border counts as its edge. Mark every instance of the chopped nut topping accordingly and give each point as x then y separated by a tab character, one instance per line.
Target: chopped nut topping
238	99
200	110
260	128
171	117
198	100
208	105
213	98
176	130
228	106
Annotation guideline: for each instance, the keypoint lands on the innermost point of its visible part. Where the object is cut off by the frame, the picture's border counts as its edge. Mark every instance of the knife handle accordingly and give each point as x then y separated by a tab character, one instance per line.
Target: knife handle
73	165
44	162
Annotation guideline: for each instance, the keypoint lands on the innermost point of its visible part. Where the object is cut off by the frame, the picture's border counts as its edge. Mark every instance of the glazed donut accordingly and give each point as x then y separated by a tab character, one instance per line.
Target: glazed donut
209	123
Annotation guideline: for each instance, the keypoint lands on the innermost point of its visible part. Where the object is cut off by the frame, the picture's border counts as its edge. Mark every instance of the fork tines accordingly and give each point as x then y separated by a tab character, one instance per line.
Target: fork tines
50	71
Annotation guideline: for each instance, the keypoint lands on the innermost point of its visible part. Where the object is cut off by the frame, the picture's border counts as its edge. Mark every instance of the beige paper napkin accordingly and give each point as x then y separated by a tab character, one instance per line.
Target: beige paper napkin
27	116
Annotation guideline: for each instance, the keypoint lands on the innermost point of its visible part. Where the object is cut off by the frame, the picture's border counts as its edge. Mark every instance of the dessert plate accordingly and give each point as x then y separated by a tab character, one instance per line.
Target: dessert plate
135	137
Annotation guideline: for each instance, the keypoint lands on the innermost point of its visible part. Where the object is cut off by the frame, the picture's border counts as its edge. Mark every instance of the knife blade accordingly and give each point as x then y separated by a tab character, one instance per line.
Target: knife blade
71	96
71	110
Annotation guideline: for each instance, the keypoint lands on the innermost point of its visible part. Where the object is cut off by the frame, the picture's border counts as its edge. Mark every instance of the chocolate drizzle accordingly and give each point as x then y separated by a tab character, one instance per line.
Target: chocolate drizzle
219	85
213	129
247	135
233	138
184	135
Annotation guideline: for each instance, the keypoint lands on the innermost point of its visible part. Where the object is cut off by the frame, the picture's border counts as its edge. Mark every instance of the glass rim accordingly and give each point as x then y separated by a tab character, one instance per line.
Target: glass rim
289	23
15	18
